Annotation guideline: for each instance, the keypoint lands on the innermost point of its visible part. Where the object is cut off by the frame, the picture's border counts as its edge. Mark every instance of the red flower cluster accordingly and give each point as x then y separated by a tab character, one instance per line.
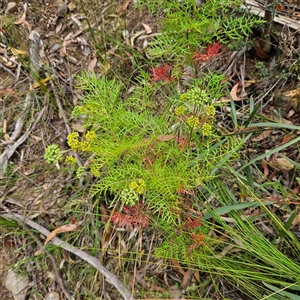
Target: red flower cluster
182	141
132	216
193	223
211	51
162	72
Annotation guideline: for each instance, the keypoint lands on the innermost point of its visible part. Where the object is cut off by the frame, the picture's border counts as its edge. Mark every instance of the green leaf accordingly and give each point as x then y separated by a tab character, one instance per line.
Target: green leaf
288	224
253	113
275	125
226	209
233	113
260	157
249	178
281	292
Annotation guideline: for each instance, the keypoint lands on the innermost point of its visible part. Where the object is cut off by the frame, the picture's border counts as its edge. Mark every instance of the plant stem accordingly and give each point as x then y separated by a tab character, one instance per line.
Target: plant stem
269	17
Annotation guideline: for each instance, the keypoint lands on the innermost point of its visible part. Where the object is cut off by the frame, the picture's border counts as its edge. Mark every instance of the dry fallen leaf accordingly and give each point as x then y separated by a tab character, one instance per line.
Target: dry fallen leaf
286	138
92	64
166	138
280	120
186	279
6	137
262	136
71	6
260	53
147	28
279	7
177	266
18	52
197	275
291	97
233	93
296	221
63	228
265	168
39	83
123	6
282	163
22	20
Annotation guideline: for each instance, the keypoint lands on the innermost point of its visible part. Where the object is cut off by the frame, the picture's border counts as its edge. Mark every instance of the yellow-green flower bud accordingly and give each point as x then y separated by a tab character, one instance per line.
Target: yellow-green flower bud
95	171
206	129
90	136
192	122
210	110
80	172
85	146
53	154
73	141
180	110
129	197
184	97
138	186
197	96
70	160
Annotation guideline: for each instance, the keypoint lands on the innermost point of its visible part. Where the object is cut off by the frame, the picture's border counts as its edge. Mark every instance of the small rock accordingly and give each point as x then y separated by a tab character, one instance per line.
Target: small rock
17	284
11	8
52	296
62	9
71	6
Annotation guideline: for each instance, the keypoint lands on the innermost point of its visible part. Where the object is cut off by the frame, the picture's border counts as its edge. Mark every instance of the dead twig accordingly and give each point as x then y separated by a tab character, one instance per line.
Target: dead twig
7	70
233	60
20	121
10	149
51	257
269	17
112	278
256	9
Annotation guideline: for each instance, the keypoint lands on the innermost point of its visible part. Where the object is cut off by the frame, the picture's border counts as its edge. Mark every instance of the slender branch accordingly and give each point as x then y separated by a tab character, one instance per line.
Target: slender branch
112	278
10	149
51	257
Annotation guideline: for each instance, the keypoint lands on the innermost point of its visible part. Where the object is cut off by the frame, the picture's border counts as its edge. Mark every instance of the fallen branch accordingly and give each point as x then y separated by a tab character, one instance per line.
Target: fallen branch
68	247
256	9
58	278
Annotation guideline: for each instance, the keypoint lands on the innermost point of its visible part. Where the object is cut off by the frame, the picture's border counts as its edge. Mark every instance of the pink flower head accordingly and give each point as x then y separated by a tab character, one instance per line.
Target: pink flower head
162	72
184	191
212	50
182	141
193	223
131	217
